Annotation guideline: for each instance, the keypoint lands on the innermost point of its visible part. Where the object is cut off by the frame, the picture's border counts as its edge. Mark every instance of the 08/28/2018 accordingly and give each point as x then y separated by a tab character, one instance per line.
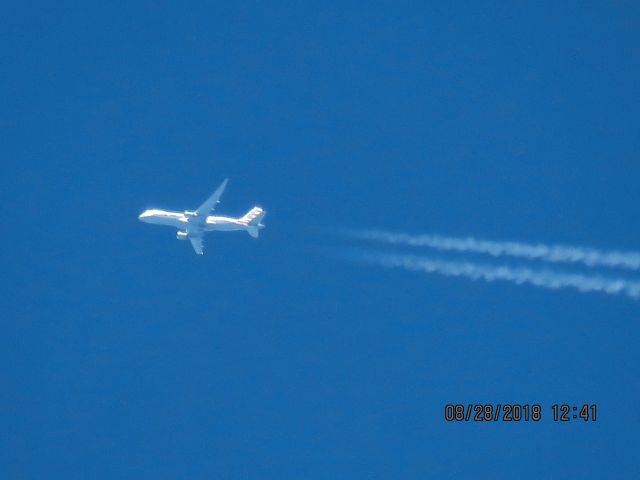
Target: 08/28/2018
492	413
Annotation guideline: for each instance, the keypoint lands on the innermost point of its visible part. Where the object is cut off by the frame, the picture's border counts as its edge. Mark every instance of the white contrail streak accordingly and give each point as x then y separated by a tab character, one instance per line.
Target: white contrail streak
491	273
550	253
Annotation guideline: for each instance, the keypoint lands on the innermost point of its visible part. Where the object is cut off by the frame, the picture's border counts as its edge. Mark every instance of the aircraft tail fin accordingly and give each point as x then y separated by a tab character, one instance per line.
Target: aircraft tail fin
252	220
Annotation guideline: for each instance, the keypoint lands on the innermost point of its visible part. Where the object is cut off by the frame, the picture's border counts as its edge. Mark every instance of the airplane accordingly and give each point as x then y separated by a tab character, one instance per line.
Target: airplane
192	224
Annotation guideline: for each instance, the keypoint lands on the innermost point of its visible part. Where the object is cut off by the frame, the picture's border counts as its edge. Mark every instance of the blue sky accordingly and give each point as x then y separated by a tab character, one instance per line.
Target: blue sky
124	355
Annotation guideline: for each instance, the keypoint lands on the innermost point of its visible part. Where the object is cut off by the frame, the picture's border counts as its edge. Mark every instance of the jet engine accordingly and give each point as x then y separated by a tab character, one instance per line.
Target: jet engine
182	235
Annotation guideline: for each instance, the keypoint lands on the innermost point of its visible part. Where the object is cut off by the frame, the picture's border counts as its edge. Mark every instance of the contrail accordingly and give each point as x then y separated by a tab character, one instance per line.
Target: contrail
590	257
491	273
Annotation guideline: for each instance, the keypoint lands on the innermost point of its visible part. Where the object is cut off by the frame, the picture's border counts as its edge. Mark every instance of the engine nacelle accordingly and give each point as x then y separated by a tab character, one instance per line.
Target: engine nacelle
182	235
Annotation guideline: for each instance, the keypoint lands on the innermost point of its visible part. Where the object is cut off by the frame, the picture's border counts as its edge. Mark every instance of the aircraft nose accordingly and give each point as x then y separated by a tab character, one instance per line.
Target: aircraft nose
144	215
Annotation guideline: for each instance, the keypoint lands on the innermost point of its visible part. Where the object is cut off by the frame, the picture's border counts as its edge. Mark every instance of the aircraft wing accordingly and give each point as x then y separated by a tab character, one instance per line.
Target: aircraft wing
210	204
198	244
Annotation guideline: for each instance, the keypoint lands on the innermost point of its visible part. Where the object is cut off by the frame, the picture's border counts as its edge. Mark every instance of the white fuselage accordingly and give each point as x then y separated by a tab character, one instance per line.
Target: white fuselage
192	223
